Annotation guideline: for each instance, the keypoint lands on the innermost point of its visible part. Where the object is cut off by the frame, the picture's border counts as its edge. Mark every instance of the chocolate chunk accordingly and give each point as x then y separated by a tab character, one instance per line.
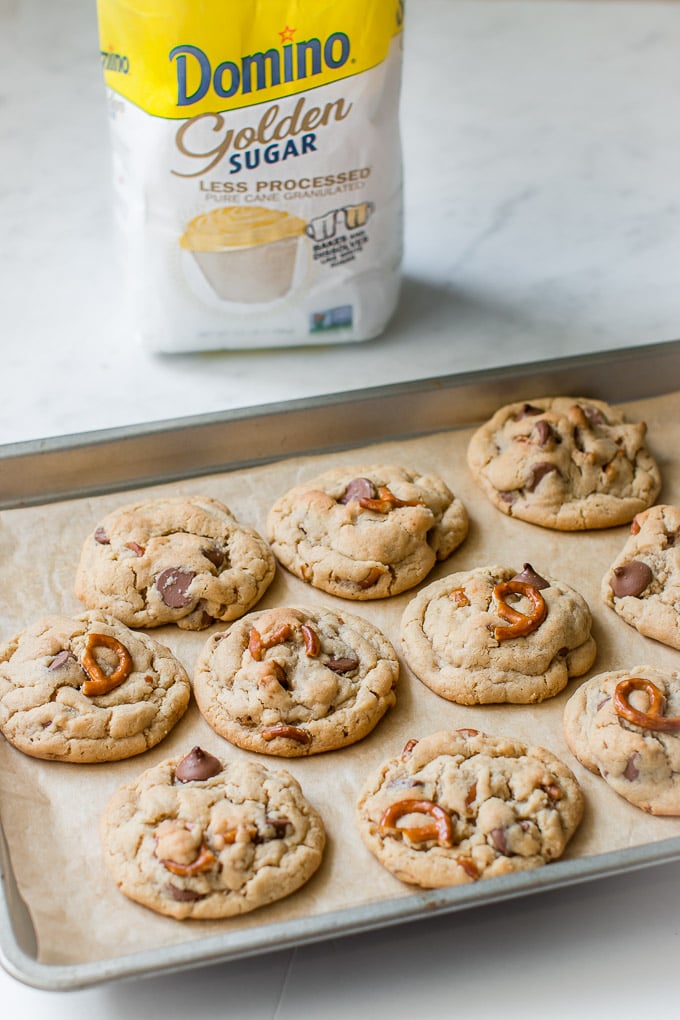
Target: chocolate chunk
499	841
279	825
630	579
197	765
542	432
528	411
60	659
538	472
101	537
342	665
529	576
594	415
215	555
183	895
359	488
172	585
631	771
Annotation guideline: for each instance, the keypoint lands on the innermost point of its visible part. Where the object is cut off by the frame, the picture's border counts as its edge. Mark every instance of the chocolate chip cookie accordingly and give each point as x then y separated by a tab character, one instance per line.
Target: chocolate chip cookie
625	726
366	532
88	690
493	634
567	463
643	584
199	837
294	681
460	806
183	560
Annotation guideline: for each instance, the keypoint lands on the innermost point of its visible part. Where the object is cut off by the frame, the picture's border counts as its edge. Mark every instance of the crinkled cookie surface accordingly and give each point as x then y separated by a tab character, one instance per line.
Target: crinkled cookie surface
625	726
568	463
366	532
183	560
88	689
200	837
458	806
643	584
296	681
493	634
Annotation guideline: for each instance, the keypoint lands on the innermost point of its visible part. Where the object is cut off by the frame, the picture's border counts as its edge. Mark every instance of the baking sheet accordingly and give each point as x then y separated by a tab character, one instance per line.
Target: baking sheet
85	931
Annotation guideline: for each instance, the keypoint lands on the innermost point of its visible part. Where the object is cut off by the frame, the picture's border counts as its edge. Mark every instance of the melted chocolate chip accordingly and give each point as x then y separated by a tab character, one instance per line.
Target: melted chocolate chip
279	825
183	895
594	415
542	432
538	472
172	585
499	841
630	579
197	765
60	659
101	537
528	411
215	555
342	665
359	488
631	771
529	576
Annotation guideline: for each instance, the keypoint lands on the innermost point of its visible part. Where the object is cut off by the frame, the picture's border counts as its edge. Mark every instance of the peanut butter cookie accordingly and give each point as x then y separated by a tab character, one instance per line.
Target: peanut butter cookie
494	635
88	689
183	560
460	806
567	463
624	725
643	584
198	837
366	532
295	682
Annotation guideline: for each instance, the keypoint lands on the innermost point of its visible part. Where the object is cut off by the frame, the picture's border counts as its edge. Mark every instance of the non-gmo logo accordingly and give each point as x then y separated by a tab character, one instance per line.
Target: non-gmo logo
257	71
116	62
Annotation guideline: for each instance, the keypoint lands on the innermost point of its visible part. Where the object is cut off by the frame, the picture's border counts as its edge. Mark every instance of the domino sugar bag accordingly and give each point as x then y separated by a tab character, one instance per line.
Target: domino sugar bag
257	168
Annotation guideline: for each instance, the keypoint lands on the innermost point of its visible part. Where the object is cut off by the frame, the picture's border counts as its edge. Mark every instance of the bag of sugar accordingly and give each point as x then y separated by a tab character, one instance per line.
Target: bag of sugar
257	168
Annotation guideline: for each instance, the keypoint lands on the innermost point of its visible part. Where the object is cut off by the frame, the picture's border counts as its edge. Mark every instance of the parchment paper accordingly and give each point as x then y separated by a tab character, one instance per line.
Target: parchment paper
50	810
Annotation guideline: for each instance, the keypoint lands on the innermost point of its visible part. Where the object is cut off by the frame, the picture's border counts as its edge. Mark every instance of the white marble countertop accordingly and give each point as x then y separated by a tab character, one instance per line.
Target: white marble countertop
542	219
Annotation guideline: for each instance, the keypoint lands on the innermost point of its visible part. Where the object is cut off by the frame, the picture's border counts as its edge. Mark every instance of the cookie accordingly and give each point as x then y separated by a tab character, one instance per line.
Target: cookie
183	560
643	583
200	837
295	682
624	725
567	463
88	689
494	635
366	532
460	806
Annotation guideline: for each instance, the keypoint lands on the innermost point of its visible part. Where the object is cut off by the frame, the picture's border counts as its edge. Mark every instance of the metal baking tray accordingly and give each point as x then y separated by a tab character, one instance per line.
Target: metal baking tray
53	469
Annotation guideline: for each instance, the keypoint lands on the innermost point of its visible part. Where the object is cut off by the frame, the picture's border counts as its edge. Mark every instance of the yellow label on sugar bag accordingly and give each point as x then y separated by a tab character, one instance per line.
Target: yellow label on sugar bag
257	167
176	59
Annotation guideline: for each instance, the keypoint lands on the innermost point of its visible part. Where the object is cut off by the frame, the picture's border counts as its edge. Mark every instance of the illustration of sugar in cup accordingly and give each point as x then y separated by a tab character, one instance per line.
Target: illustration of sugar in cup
246	253
357	215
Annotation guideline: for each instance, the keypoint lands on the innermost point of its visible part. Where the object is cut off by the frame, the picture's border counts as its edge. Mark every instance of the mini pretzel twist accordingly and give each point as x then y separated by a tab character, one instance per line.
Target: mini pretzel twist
203	862
287	732
653	718
440	829
257	645
98	681
519	624
386	501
